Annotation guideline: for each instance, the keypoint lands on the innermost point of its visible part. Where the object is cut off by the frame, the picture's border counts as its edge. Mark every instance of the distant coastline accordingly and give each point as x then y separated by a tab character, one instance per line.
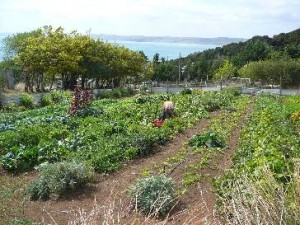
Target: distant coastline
169	39
166	39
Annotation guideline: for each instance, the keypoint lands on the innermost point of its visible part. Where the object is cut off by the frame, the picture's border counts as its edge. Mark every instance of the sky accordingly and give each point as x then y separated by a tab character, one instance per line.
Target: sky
178	18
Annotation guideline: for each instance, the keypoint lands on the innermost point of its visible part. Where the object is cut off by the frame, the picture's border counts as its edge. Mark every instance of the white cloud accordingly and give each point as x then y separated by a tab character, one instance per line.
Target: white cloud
234	18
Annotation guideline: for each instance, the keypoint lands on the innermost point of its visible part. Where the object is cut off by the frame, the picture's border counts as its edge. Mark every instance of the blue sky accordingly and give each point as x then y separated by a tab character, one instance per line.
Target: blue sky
182	18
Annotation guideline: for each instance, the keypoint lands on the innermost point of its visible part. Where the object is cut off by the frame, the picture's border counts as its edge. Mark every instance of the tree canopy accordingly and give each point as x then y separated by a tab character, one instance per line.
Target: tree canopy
47	53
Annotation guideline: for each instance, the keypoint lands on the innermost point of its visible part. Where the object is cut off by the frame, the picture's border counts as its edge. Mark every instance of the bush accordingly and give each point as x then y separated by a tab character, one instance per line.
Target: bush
26	100
235	91
56	179
154	195
56	96
46	100
186	91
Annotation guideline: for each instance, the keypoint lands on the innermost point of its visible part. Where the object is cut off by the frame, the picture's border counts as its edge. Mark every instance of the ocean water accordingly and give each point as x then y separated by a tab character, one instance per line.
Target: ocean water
167	50
1	47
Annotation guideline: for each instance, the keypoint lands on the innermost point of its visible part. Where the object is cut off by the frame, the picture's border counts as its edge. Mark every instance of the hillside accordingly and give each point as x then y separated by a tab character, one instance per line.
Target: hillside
278	42
202	65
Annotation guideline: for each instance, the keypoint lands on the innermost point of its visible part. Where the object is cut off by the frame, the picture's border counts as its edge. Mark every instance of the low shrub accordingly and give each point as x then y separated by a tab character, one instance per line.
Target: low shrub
235	91
154	195
186	91
46	100
56	96
26	100
55	179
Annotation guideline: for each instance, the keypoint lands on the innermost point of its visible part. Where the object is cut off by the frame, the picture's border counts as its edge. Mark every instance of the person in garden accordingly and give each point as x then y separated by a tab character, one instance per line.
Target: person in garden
167	110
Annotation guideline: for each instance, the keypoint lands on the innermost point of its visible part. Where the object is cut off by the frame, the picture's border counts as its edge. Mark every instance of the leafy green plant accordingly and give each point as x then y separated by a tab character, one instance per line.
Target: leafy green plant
208	139
154	195
46	100
57	178
27	101
20	158
56	96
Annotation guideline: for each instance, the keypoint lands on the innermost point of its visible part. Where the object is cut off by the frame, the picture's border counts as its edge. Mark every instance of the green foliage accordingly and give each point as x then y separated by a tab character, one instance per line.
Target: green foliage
46	100
107	134
50	51
21	221
283	71
117	93
154	195
20	158
59	178
208	139
26	100
57	96
28	146
1	83
186	91
225	72
235	91
264	166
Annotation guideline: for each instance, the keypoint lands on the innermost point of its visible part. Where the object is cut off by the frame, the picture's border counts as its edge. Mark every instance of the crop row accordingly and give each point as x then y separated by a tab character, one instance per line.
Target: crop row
213	140
261	187
111	132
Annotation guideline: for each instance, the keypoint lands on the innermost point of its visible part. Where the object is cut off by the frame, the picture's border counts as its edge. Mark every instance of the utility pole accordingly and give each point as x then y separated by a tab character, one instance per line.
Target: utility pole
280	83
179	68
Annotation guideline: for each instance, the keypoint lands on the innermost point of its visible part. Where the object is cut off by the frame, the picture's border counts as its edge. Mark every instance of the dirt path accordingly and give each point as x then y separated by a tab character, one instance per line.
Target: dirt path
107	199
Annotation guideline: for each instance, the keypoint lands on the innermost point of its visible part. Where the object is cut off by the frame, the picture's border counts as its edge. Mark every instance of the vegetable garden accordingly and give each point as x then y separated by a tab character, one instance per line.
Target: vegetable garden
67	142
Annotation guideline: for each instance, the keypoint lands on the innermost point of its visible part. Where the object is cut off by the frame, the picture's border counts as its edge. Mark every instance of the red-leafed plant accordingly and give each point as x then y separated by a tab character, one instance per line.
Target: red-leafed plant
81	99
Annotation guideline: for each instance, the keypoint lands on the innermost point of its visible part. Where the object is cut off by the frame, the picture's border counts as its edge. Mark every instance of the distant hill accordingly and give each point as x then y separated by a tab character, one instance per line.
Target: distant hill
169	39
258	48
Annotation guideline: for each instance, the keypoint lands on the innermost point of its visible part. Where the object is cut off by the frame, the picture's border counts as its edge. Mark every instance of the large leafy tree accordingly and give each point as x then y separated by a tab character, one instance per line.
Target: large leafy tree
226	71
284	72
47	53
254	50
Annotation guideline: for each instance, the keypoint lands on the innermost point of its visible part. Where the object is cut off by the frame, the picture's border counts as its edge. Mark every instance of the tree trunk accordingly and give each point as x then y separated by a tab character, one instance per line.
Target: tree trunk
52	81
31	83
82	82
42	83
26	78
38	83
97	83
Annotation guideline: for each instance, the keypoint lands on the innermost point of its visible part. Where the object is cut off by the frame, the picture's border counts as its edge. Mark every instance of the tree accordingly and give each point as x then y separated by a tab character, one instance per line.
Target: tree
226	71
283	71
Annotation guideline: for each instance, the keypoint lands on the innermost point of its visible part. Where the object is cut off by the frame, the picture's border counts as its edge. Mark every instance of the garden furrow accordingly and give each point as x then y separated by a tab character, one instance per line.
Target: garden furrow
199	197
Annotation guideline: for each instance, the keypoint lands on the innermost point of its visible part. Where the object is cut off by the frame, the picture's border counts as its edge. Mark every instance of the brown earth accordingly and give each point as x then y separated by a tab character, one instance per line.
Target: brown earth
107	199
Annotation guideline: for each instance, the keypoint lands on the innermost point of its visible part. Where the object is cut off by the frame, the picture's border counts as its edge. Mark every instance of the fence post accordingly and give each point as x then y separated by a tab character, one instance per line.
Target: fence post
167	86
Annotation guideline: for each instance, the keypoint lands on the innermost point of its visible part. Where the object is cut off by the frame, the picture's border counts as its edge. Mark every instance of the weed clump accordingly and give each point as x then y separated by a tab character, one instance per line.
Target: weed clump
58	178
154	195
